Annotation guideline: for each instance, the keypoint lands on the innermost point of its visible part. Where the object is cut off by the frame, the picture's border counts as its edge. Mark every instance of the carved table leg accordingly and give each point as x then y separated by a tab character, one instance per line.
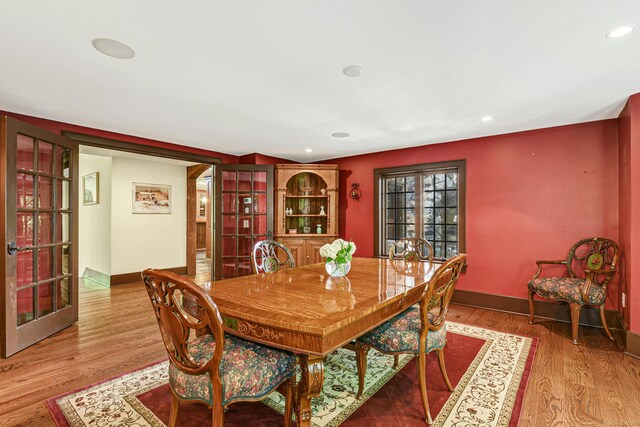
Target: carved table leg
310	385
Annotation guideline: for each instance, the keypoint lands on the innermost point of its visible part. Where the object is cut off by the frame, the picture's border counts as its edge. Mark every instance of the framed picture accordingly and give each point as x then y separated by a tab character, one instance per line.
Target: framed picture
151	198
90	189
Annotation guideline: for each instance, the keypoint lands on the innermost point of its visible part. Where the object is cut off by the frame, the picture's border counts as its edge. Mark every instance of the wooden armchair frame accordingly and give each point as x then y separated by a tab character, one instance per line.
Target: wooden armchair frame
600	252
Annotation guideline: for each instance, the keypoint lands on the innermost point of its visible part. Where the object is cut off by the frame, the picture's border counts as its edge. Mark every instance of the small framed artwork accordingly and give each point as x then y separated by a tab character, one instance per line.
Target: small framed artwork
90	189
151	198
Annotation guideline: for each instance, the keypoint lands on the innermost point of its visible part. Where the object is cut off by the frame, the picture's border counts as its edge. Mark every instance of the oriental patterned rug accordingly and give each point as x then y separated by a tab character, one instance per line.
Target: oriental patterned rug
489	370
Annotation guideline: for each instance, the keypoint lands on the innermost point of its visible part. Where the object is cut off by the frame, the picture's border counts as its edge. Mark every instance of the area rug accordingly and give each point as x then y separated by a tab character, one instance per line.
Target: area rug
489	370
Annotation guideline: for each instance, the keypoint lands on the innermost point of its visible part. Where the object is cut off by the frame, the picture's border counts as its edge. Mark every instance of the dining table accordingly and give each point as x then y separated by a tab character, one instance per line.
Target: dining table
306	311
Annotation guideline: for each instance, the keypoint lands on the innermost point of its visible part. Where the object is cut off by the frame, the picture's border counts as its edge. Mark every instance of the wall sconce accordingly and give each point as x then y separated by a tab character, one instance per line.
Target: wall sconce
355	193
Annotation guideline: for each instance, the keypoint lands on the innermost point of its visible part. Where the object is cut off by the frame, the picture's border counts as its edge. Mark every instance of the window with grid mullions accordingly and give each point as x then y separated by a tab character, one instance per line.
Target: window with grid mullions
424	201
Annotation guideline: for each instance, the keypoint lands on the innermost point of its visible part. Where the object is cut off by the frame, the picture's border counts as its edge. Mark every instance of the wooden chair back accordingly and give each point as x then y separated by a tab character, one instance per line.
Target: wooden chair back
269	256
411	249
594	254
173	298
438	293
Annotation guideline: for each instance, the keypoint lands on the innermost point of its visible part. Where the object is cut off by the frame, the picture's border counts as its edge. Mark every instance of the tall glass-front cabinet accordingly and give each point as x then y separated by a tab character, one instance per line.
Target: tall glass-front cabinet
306	209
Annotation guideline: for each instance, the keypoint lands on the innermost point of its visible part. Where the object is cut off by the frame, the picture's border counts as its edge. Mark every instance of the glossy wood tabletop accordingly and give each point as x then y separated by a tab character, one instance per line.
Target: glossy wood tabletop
305	310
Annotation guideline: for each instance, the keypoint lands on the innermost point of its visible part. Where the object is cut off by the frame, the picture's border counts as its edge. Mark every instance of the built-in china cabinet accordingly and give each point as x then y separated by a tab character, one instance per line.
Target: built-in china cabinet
306	209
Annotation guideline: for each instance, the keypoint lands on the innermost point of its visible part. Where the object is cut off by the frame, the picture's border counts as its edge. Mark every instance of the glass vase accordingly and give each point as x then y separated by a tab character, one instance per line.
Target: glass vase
337	270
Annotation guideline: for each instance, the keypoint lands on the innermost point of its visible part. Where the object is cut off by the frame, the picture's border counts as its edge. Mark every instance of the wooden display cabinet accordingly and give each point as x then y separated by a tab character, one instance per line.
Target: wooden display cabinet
306	209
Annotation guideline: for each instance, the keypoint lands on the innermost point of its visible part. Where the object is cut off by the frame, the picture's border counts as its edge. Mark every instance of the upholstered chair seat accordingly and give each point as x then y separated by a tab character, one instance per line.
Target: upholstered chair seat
402	334
247	370
567	289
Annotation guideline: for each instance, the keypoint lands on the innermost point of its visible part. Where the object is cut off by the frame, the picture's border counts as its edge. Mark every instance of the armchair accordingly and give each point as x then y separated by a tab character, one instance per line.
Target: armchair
590	265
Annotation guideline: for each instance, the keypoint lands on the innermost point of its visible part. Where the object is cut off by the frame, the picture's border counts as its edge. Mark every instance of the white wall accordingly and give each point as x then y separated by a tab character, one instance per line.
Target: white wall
140	241
94	250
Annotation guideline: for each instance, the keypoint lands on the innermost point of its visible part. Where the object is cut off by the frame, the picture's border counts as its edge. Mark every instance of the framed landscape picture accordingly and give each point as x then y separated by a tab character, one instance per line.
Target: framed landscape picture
90	189
151	198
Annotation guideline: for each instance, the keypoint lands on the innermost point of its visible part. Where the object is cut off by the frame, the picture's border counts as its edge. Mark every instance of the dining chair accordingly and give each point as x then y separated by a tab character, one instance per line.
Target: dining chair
590	265
411	249
269	256
213	368
416	330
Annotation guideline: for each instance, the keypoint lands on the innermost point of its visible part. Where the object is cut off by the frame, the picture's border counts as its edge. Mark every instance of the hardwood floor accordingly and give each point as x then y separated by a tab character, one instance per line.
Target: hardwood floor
593	383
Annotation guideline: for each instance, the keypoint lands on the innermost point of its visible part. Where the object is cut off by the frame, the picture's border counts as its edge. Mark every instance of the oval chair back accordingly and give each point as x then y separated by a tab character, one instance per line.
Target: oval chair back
269	256
592	255
411	249
437	295
182	308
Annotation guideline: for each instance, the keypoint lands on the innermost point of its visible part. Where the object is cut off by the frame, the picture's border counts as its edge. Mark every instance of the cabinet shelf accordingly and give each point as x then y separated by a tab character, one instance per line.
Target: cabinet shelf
300	189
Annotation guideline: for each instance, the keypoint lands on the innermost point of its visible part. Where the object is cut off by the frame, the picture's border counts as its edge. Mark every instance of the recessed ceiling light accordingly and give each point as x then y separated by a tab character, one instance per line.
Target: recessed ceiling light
352	70
620	31
339	134
486	118
308	150
113	48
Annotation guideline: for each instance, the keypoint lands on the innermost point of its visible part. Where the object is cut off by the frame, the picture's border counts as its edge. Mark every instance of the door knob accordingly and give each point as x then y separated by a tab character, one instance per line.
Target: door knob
12	248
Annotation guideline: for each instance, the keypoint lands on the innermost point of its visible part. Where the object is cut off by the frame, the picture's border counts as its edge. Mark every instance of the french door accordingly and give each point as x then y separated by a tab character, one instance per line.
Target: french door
245	200
38	182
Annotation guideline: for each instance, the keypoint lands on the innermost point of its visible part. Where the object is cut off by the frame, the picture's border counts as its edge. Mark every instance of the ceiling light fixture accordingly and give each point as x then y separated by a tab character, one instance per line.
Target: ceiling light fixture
352	70
113	48
308	150
620	31
340	134
486	118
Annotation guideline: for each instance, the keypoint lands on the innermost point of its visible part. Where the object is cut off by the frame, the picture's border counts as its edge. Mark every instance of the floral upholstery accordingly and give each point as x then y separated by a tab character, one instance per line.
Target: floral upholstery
411	256
567	289
270	265
247	370
401	334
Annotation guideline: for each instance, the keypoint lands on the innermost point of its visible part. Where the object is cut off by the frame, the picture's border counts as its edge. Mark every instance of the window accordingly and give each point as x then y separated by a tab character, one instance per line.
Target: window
421	201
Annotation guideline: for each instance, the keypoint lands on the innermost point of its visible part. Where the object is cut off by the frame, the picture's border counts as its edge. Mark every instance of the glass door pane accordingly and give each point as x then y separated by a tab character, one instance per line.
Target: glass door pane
247	215
42	174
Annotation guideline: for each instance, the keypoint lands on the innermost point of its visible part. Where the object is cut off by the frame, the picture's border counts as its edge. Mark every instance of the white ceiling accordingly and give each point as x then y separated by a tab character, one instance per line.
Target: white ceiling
266	76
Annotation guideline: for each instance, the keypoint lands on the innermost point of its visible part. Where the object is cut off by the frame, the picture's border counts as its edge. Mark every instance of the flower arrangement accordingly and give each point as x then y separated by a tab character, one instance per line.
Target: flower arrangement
339	251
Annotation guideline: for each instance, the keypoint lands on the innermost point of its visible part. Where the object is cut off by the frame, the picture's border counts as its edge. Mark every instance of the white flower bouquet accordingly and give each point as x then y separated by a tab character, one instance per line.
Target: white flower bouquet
339	251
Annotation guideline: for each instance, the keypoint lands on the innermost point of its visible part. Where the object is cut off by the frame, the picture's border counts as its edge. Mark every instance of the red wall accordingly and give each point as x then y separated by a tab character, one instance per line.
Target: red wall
261	159
629	190
58	127
530	195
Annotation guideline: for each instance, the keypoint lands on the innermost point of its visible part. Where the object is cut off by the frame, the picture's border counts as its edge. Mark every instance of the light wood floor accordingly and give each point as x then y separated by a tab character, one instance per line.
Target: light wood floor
590	384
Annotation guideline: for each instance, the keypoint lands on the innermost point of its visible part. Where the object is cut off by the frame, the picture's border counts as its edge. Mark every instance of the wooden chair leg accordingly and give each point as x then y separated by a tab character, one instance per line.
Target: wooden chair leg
422	380
396	361
575	320
288	402
173	412
361	361
531	306
604	323
443	369
217	415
